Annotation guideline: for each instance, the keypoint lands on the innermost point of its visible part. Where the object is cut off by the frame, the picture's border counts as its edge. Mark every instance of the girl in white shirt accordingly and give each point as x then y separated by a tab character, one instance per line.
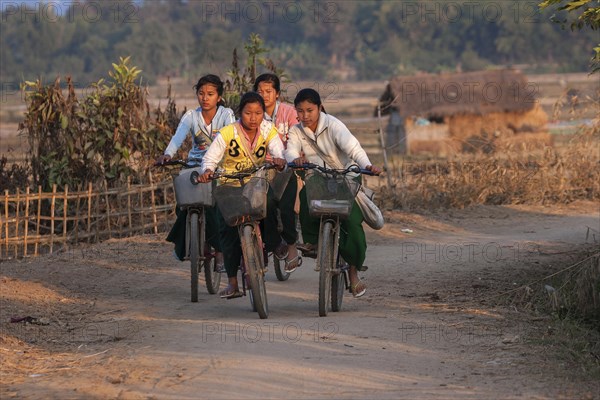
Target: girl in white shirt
202	124
332	138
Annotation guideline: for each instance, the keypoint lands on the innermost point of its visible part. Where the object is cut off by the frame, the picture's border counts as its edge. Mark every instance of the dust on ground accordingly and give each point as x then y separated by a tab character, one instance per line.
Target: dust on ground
439	320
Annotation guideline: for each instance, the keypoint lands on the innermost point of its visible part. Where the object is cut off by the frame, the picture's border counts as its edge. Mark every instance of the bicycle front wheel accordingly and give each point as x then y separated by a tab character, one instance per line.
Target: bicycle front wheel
325	262
196	248
338	287
254	260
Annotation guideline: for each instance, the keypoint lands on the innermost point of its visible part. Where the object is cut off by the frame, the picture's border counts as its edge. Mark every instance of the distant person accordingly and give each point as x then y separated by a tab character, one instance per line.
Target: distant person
202	124
283	116
318	130
245	142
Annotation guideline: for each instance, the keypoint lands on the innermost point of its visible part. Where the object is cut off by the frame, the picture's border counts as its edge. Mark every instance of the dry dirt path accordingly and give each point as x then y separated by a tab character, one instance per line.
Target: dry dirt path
117	321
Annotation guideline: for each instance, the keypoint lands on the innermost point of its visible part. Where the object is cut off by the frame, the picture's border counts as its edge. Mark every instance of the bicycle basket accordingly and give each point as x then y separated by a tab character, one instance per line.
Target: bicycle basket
279	181
330	194
239	204
188	193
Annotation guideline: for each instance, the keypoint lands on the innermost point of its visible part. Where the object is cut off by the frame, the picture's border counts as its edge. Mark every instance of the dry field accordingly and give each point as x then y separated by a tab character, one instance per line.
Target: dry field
353	102
453	308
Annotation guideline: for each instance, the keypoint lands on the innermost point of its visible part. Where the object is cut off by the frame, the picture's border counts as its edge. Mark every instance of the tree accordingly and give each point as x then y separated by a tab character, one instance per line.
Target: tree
583	14
237	82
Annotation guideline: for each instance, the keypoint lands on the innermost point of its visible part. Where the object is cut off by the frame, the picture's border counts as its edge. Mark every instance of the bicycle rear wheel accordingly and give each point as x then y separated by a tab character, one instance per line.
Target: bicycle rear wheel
253	257
196	248
280	272
325	262
211	276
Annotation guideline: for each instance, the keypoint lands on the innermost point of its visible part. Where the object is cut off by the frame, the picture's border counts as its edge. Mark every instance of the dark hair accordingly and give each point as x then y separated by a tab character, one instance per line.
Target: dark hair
310	95
251	97
212	80
268	78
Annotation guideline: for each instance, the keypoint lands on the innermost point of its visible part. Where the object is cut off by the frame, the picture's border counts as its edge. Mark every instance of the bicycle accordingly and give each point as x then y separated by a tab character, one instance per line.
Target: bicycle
243	203
194	197
330	195
278	184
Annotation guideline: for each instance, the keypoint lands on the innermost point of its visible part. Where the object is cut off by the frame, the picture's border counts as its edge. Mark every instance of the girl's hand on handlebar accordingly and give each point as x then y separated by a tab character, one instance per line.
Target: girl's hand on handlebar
375	170
162	159
300	161
206	176
279	163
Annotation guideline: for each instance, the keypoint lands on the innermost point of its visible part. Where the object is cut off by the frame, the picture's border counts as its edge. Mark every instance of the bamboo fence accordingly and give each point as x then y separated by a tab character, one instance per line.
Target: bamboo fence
35	223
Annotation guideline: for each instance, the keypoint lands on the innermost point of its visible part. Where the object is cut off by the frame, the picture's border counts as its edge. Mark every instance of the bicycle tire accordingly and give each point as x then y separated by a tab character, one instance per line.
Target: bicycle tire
252	305
255	270
325	259
195	248
211	276
280	273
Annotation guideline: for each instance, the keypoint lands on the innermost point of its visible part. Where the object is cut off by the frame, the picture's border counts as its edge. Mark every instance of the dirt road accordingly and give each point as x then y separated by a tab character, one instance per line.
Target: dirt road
114	320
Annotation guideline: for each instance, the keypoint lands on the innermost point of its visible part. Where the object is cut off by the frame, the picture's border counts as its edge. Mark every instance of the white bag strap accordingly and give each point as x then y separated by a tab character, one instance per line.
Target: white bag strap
329	159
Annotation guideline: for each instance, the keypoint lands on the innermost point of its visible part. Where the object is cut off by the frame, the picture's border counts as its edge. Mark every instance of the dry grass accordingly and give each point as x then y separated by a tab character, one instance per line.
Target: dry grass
516	173
572	296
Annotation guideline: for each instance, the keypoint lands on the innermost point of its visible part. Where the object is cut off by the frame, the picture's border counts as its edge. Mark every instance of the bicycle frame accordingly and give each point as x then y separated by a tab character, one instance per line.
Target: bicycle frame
195	240
246	218
330	202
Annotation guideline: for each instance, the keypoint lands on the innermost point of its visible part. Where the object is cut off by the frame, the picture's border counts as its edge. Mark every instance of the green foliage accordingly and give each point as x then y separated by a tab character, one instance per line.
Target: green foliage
584	13
108	134
329	40
238	82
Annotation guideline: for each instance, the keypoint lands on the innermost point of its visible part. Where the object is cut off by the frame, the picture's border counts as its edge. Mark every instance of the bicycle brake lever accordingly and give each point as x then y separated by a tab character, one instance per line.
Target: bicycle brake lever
194	177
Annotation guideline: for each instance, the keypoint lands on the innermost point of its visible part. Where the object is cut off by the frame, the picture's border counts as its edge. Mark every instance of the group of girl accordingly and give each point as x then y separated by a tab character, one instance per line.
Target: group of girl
268	131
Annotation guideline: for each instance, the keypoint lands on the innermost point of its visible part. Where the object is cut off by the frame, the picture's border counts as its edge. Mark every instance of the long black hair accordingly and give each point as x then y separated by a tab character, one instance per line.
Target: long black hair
268	78
310	95
214	80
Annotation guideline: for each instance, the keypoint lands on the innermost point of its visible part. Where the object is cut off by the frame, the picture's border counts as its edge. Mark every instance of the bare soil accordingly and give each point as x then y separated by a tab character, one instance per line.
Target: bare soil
440	319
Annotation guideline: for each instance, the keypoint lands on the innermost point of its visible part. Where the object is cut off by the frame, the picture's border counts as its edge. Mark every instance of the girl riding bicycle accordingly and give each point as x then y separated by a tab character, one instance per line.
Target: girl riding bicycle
326	141
239	146
202	124
284	117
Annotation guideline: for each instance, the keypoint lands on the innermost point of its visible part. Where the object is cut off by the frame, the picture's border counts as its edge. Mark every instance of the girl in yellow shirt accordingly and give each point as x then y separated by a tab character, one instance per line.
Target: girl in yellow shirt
238	146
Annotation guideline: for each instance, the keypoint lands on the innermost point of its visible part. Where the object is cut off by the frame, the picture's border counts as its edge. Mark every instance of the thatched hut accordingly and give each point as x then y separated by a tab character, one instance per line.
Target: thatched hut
449	113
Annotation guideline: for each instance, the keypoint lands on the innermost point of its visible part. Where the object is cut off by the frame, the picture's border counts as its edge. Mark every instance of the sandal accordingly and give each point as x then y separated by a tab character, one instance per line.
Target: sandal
358	289
281	252
230	292
291	265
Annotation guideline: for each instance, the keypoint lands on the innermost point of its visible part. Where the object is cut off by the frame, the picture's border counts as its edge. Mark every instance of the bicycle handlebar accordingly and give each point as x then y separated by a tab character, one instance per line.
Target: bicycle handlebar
243	173
352	168
183	163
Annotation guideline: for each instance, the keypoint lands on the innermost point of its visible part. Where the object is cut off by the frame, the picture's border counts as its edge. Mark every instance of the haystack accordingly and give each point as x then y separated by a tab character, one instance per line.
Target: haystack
466	111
